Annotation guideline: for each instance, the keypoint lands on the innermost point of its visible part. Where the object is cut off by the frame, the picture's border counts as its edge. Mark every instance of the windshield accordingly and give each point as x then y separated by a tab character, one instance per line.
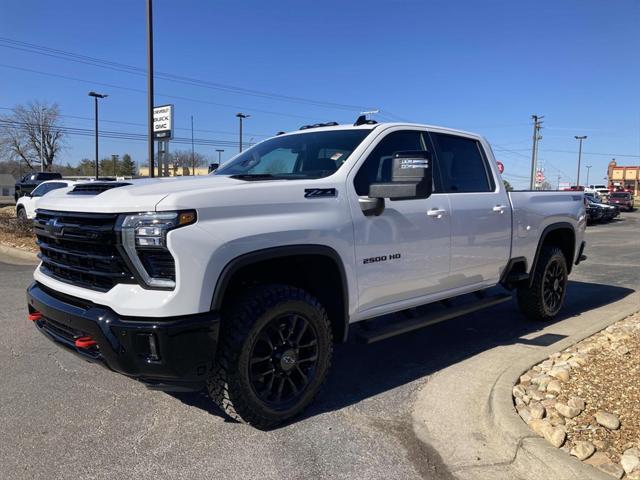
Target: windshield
305	155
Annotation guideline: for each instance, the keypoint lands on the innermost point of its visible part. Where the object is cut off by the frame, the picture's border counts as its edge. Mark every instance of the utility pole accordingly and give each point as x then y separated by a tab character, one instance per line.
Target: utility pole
580	139
96	96
559	176
219	150
241	116
193	156
150	145
588	167
115	163
537	125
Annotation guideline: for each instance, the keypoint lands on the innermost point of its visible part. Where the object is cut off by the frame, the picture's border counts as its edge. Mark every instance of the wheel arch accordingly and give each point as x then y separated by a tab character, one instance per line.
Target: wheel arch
289	258
561	234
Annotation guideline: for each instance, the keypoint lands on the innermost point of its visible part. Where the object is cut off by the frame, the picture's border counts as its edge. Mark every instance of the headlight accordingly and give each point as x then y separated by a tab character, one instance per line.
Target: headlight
144	241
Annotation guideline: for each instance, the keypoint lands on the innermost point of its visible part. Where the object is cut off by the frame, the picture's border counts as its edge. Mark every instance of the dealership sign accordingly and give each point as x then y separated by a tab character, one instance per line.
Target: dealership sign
163	122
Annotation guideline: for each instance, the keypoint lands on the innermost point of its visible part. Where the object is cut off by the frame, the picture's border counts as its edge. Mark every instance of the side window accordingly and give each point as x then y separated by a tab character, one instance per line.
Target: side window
377	167
462	164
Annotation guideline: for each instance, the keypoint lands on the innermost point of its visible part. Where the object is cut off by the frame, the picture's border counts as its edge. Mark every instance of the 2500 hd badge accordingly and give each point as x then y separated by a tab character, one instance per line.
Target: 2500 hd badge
382	258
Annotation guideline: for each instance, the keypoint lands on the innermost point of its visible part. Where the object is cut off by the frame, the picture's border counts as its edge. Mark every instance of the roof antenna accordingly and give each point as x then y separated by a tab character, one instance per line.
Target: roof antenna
362	119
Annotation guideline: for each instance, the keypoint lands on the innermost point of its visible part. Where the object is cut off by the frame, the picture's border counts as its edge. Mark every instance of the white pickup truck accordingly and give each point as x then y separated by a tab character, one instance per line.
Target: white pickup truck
241	281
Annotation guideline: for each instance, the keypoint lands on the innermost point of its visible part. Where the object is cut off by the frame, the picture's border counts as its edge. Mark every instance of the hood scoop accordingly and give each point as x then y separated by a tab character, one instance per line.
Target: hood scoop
95	188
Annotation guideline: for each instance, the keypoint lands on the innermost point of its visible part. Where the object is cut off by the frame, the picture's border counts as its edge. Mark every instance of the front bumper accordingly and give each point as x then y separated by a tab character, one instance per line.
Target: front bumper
179	361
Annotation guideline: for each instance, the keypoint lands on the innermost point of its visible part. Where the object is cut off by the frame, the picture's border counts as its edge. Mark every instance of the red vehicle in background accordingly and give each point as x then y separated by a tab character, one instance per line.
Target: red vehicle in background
624	200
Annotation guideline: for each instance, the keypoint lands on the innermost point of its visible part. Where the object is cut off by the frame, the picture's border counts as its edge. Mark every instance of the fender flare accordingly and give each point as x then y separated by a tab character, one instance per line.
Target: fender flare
545	233
246	259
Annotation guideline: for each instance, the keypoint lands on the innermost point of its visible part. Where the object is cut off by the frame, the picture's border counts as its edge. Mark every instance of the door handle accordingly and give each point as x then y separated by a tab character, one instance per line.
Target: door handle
499	208
436	212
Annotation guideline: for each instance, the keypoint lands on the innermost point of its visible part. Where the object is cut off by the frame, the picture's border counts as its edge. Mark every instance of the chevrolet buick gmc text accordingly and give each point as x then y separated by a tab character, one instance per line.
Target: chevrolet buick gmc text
241	281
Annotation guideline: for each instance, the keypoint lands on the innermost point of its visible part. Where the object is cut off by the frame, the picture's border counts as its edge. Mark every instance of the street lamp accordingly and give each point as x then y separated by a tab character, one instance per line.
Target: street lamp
241	116
588	167
580	139
96	96
219	150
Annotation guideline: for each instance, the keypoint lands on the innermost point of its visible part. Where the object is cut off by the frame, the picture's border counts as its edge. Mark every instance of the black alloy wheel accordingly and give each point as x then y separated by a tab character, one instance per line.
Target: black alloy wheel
553	286
283	360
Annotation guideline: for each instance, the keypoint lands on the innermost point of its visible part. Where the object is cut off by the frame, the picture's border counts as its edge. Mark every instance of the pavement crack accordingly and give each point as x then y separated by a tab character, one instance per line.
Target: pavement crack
53	356
151	425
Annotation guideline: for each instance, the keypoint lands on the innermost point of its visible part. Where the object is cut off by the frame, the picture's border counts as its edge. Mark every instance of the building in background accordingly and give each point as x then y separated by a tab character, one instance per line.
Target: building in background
626	177
7	185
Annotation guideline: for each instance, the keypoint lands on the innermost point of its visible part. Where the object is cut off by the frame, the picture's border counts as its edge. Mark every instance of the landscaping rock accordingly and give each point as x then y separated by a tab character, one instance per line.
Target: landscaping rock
554	386
576	402
540	426
632	451
560	373
629	463
597	458
566	410
536	410
555	436
583	450
607	420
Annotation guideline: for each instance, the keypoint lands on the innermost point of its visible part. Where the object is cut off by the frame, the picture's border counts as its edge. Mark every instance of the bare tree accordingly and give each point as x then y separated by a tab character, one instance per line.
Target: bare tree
183	162
31	132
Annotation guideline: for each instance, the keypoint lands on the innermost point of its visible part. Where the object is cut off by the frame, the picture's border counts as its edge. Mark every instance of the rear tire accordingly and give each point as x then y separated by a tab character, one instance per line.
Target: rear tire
544	298
273	356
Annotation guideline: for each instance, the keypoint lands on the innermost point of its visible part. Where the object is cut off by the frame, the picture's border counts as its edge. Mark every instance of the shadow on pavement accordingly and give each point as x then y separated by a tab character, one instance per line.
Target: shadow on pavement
361	371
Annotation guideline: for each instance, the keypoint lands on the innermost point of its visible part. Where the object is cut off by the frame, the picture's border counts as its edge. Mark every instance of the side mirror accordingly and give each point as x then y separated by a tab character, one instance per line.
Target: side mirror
411	177
213	167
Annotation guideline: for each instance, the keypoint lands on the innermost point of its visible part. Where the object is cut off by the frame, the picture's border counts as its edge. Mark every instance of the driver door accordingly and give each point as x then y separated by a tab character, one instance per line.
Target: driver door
404	253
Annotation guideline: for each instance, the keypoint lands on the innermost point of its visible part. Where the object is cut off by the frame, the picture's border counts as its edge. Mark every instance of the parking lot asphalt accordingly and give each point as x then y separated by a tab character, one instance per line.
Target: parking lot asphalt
64	418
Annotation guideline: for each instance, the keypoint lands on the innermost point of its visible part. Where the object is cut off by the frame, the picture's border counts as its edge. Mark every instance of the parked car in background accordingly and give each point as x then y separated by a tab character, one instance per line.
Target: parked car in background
603	190
594	195
609	212
31	180
624	200
26	205
594	213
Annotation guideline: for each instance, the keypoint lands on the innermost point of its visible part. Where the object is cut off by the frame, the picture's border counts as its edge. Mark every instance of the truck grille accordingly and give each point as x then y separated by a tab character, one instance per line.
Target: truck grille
81	249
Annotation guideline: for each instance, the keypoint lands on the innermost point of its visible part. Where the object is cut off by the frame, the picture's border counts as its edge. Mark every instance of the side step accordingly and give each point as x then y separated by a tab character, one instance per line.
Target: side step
393	328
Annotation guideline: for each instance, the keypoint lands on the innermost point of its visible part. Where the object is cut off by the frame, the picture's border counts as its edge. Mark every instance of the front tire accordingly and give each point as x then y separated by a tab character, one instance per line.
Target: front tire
21	214
544	298
274	354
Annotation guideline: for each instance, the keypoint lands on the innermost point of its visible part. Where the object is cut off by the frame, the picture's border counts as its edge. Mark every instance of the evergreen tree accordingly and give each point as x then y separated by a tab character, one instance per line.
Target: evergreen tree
127	166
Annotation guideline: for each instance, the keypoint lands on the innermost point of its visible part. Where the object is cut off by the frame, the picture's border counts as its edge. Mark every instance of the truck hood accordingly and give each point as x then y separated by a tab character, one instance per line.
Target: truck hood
136	196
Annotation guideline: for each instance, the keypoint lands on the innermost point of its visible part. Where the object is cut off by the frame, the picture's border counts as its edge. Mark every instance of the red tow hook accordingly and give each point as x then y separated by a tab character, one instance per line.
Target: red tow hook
35	316
85	342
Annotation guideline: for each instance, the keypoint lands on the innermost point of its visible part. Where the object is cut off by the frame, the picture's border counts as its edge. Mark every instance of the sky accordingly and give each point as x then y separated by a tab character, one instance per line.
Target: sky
483	66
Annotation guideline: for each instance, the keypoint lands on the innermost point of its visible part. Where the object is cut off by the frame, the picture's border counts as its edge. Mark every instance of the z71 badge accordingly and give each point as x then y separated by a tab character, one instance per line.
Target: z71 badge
320	192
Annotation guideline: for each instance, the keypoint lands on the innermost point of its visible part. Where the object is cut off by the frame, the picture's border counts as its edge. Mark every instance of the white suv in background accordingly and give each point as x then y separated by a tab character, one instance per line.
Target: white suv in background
26	205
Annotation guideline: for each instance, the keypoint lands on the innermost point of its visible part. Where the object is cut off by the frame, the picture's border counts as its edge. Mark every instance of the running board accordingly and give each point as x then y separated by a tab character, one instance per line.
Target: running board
391	329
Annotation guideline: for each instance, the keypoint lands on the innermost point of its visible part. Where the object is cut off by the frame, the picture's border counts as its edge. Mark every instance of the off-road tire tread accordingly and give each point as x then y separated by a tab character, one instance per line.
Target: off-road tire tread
530	301
222	383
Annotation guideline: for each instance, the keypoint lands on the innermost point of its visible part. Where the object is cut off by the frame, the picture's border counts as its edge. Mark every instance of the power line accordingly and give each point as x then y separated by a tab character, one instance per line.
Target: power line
166	95
223	132
134	70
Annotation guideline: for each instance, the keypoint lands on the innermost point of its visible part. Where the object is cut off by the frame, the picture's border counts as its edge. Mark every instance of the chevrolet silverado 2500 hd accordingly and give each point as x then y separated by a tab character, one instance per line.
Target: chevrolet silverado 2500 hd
241	281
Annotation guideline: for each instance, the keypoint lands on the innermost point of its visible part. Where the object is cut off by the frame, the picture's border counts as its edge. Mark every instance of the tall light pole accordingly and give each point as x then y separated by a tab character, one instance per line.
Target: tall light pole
241	116
219	150
42	139
580	139
96	96
150	87
588	167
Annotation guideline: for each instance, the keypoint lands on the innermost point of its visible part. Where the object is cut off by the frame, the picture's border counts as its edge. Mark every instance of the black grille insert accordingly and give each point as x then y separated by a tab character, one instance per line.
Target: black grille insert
81	249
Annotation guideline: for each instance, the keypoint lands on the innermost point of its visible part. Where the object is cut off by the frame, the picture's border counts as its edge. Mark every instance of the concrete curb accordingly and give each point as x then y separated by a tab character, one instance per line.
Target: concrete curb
502	415
18	253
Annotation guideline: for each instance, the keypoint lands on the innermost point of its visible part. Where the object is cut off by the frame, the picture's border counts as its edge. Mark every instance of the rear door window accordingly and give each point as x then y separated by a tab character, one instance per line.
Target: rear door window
462	164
